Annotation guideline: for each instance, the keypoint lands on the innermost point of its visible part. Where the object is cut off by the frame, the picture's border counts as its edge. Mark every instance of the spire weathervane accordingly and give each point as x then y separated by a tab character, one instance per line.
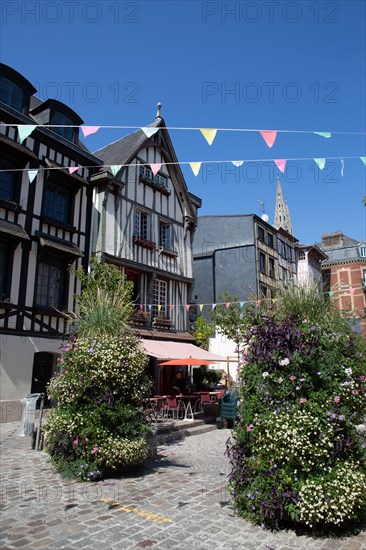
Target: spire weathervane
158	114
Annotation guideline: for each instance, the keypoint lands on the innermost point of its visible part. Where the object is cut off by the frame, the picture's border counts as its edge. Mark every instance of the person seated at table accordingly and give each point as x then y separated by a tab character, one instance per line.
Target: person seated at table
180	385
210	384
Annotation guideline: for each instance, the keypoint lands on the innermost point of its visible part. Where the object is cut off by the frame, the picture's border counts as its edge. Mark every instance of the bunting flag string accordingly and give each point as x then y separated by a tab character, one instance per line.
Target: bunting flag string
228	305
151	130
195	166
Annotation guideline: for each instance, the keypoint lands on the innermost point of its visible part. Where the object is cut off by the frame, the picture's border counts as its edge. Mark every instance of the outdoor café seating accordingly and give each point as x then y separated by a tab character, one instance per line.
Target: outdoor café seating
174	405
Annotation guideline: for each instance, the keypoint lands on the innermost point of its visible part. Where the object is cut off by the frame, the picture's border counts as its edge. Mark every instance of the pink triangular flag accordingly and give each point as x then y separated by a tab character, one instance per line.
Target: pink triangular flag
227	305
269	136
87	130
188	307
171	307
73	169
141	307
155	168
352	290
281	164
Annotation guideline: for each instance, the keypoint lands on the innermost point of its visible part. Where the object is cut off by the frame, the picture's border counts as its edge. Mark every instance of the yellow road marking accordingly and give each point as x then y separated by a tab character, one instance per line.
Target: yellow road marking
137	511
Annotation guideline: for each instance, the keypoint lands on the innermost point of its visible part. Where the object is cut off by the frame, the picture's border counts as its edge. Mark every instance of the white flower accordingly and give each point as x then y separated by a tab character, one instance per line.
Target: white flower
348	372
265	374
284	362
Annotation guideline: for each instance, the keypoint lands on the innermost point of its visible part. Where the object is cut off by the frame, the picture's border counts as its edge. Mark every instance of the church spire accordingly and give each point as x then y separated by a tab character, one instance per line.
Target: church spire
282	213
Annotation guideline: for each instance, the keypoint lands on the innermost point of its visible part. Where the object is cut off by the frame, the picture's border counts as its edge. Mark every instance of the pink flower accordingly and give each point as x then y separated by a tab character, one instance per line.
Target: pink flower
249	428
355	392
292	377
303	400
362	378
76	441
95	450
337	399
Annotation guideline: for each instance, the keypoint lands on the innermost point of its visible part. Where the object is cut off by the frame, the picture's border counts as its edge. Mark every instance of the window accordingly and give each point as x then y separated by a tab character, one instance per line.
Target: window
146	172
50	284
271	267
289	252
11	94
261	234
262	263
142	225
160	180
270	241
363	251
8	182
66	131
364	278
56	202
160	297
284	277
301	255
166	235
263	291
4	262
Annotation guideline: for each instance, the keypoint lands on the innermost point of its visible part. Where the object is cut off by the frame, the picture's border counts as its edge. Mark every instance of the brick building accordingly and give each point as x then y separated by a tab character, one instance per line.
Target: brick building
345	275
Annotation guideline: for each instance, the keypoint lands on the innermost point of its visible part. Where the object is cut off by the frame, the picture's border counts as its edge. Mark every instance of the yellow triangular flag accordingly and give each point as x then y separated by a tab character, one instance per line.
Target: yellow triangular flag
159	307
196	166
201	307
209	134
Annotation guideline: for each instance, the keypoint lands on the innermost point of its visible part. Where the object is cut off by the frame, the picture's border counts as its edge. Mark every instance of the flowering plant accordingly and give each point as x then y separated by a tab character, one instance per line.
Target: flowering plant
296	454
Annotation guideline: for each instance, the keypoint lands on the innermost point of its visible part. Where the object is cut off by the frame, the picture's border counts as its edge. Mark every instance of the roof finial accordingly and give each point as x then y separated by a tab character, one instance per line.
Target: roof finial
158	114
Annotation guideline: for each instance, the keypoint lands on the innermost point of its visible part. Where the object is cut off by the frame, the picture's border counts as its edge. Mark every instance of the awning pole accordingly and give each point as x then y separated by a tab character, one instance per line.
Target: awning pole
228	372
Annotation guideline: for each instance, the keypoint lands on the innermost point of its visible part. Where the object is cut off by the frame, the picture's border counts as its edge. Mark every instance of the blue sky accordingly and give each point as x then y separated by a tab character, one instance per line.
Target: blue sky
262	65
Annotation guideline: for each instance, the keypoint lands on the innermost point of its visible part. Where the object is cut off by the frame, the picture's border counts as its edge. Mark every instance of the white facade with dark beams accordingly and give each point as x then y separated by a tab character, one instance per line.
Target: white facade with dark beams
44	228
145	224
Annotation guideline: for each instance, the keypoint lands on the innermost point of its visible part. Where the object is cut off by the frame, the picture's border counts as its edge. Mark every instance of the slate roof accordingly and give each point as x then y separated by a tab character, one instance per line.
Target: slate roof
13	229
349	250
120	151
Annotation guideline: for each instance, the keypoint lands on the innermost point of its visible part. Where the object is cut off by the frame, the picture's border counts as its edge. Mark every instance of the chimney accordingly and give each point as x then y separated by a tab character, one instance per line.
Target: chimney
332	240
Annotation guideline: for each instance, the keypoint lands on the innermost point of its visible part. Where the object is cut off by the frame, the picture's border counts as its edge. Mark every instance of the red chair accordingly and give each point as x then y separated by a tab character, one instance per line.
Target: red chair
174	405
205	397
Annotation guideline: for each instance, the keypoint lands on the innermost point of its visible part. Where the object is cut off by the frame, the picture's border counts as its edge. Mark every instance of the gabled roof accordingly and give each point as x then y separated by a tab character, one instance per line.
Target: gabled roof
121	151
124	150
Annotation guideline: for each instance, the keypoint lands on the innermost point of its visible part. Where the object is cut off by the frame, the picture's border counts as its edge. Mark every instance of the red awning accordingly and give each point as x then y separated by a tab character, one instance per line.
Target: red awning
162	349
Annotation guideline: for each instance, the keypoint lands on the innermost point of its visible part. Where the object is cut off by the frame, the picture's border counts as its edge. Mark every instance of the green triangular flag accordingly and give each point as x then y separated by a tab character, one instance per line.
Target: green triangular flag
363	160
323	134
116	168
320	163
331	293
25	130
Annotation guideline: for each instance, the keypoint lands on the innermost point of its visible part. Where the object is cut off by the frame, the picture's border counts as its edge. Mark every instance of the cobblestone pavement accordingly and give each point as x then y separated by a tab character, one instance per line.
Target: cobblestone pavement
178	502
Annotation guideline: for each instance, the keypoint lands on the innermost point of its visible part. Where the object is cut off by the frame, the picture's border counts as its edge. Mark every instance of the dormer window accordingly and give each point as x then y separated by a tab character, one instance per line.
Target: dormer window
11	94
15	90
65	130
63	120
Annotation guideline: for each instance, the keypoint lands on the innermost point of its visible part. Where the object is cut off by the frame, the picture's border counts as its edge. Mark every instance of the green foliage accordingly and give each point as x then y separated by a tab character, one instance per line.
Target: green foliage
296	453
202	331
98	426
230	321
104	306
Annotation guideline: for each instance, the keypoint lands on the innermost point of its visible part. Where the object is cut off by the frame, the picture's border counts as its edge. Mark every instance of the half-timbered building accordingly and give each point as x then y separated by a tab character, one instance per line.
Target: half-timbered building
44	229
145	223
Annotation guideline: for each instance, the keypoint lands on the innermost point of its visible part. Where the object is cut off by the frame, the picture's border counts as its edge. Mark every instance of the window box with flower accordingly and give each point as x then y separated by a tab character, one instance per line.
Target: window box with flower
162	321
139	317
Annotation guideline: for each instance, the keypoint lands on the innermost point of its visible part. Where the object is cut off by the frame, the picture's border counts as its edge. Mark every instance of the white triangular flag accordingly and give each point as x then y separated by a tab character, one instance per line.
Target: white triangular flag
209	134
25	130
32	174
149	131
237	162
